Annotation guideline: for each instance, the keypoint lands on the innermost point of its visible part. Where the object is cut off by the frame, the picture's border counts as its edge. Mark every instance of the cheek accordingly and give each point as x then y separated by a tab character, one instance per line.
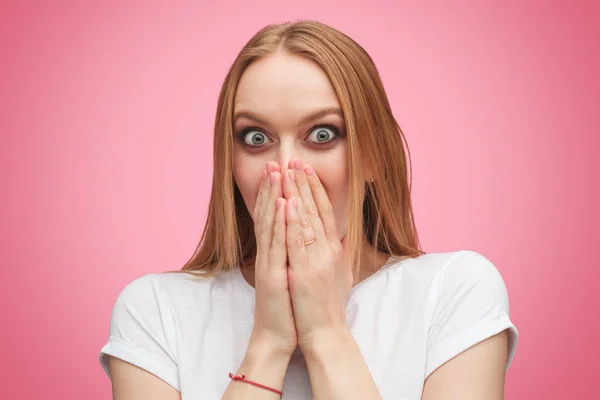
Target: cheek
247	176
335	179
337	191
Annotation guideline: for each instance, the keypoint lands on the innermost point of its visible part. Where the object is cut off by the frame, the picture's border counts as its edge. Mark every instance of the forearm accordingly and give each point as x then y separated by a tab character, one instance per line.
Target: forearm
264	365
338	369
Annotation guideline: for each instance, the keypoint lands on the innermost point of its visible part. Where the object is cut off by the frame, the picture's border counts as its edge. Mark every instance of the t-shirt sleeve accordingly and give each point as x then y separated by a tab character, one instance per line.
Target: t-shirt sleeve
471	305
140	331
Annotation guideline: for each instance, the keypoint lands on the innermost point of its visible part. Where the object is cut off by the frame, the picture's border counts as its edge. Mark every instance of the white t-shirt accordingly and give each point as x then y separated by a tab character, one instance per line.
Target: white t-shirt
408	319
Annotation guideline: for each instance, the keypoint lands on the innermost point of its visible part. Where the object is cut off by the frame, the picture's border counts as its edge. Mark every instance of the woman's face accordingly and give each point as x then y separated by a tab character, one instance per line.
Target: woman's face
285	107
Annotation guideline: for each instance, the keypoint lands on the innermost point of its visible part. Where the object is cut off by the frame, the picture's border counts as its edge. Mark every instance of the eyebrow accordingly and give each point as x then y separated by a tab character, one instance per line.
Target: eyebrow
303	121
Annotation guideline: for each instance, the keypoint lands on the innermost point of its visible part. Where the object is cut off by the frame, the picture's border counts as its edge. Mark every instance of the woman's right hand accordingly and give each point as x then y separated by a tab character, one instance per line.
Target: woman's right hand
273	318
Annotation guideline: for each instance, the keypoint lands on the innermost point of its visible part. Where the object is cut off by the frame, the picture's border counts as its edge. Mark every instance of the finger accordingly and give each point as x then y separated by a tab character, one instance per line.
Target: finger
289	185
257	205
278	252
304	220
276	166
309	203
268	218
279	187
266	189
296	250
281	178
323	203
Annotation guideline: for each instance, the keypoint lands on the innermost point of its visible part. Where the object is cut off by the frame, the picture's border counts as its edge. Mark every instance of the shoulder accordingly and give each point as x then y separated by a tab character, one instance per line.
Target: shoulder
470	271
166	287
467	303
147	317
140	292
142	301
426	280
467	263
163	294
443	259
447	268
152	287
450	276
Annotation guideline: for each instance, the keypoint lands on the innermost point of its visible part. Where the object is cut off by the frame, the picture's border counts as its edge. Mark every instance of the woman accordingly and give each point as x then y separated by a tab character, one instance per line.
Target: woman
309	278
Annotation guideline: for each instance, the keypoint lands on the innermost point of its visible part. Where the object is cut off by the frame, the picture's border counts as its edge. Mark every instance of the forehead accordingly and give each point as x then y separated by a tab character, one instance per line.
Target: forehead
284	85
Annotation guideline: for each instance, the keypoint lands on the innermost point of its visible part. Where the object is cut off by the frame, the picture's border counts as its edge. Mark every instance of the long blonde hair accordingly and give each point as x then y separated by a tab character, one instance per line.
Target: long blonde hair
374	138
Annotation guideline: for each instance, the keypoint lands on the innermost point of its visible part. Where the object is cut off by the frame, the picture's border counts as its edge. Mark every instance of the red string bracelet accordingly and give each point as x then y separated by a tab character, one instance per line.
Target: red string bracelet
242	378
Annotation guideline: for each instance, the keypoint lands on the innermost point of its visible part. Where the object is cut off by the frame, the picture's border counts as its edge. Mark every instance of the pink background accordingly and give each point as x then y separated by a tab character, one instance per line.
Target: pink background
106	158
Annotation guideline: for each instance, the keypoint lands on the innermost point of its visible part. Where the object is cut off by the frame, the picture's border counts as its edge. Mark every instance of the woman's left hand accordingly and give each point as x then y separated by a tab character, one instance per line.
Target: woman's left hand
319	276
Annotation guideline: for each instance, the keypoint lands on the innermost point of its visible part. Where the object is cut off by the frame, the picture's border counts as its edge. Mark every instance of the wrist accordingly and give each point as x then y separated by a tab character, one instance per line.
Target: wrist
262	347
326	341
259	360
264	365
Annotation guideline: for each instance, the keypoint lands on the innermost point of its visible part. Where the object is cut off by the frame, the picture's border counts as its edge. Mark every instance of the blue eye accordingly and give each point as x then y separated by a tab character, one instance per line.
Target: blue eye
324	134
321	135
256	140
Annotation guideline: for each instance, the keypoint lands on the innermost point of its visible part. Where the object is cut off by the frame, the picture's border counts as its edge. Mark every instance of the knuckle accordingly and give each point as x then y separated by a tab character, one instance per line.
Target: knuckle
262	227
299	242
316	184
305	222
257	225
328	209
277	242
312	209
256	214
260	214
289	244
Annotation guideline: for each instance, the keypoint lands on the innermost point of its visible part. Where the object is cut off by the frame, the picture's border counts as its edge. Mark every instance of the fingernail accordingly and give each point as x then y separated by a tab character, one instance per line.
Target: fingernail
308	169
298	164
291	175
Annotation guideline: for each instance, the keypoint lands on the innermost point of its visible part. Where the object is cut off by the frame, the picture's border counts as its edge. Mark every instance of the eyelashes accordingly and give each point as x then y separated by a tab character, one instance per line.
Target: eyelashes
261	138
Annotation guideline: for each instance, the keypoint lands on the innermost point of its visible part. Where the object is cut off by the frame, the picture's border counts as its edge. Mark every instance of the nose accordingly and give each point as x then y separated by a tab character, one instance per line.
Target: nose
286	153
284	163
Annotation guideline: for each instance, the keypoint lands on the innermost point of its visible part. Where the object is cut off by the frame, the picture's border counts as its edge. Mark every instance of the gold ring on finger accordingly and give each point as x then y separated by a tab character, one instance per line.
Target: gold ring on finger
310	241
